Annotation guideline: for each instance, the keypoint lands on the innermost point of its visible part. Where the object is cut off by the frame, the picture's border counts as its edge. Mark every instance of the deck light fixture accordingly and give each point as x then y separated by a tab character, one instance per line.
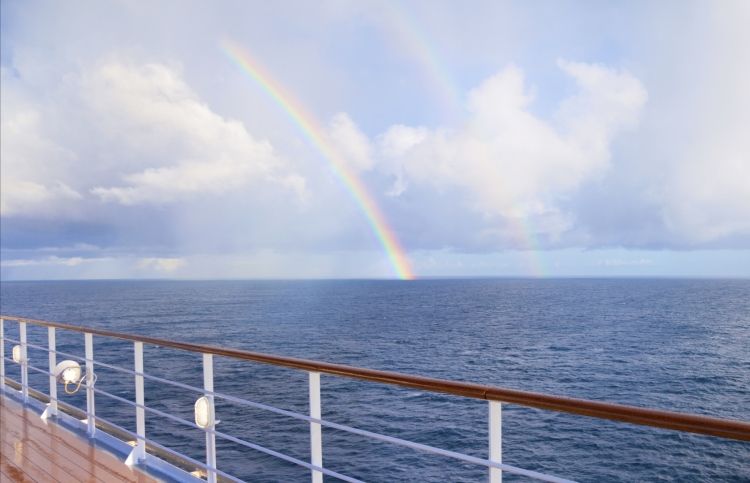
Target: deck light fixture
204	415
69	373
17	354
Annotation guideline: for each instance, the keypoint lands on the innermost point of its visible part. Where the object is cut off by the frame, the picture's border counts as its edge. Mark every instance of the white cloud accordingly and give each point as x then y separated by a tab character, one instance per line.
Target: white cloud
394	144
512	163
350	143
51	261
171	135
33	166
126	133
701	132
28	197
192	149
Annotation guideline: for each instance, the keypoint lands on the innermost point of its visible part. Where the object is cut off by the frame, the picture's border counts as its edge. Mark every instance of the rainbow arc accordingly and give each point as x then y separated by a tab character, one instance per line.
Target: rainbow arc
315	134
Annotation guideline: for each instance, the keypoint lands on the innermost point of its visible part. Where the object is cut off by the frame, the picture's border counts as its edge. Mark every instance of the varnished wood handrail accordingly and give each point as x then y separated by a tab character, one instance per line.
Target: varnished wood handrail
691	423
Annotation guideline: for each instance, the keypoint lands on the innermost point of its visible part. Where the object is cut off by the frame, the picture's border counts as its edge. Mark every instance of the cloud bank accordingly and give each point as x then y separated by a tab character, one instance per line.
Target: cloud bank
475	141
513	165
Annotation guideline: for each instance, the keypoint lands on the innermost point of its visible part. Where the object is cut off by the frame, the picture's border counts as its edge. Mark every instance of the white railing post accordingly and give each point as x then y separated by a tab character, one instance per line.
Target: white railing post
208	385
52	347
24	362
139	451
2	355
90	405
316	436
496	440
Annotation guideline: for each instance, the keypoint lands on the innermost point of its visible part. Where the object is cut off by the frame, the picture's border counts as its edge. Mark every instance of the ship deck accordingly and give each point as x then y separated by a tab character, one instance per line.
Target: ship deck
35	450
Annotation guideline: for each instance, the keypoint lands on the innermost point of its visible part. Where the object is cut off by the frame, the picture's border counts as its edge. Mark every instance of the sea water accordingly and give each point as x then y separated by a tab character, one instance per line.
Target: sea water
681	345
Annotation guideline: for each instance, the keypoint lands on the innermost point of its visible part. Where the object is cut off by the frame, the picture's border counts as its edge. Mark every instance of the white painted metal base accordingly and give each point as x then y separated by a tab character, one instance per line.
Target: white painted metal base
134	457
49	411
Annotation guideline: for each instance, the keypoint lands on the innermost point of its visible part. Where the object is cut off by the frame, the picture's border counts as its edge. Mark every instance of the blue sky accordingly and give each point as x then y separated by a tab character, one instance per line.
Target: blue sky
498	139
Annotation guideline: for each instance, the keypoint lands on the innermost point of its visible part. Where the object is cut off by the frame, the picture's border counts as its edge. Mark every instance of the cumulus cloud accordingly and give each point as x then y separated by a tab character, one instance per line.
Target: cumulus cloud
196	150
155	144
512	163
33	165
127	133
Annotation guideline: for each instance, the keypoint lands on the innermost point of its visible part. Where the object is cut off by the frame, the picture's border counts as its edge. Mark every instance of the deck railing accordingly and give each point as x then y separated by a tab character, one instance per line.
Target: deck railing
495	396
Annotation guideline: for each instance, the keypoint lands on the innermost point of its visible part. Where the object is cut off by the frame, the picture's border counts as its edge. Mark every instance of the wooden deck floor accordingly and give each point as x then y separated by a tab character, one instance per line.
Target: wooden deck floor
34	451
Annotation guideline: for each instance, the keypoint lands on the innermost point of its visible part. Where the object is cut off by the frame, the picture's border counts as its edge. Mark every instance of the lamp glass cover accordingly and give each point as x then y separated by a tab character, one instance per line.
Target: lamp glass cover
203	412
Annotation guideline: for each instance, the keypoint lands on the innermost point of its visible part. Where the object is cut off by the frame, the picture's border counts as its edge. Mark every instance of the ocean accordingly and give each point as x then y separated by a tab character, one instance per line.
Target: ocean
681	345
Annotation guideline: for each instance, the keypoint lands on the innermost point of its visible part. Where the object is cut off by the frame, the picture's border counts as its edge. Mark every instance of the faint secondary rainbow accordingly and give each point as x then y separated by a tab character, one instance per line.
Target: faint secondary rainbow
414	39
424	51
316	135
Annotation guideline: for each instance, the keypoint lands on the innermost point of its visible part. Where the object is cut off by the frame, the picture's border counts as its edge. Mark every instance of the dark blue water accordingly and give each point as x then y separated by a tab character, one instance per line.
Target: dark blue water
674	344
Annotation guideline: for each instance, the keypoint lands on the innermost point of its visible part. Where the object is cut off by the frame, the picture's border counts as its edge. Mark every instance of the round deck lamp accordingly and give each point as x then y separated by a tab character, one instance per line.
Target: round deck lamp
203	412
69	373
17	354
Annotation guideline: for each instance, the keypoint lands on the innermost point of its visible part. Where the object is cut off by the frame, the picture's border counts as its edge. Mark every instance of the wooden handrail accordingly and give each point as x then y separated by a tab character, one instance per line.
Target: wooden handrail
691	423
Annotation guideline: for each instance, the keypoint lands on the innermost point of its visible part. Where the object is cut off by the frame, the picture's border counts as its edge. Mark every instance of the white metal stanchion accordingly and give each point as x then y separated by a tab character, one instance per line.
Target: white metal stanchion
208	385
139	451
316	436
90	404
52	347
24	362
496	440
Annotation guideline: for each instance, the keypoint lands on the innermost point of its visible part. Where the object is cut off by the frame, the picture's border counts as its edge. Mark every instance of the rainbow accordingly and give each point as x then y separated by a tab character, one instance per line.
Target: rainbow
315	134
423	50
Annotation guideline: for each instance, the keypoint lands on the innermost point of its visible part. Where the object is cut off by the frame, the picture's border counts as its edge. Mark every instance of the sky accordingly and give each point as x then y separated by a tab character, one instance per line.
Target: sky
339	139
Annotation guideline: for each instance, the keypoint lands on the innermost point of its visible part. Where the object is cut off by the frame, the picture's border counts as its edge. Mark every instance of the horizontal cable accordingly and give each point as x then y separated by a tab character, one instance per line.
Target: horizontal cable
43	371
175	383
172	452
152	410
57	352
173	418
114	396
72	356
47	349
231	438
394	440
41	348
116	368
340	427
448	453
693	423
148	441
290	459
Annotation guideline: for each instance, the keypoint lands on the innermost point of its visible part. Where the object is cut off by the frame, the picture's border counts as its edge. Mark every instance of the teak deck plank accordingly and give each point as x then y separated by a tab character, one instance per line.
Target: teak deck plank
35	451
45	443
62	464
70	452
